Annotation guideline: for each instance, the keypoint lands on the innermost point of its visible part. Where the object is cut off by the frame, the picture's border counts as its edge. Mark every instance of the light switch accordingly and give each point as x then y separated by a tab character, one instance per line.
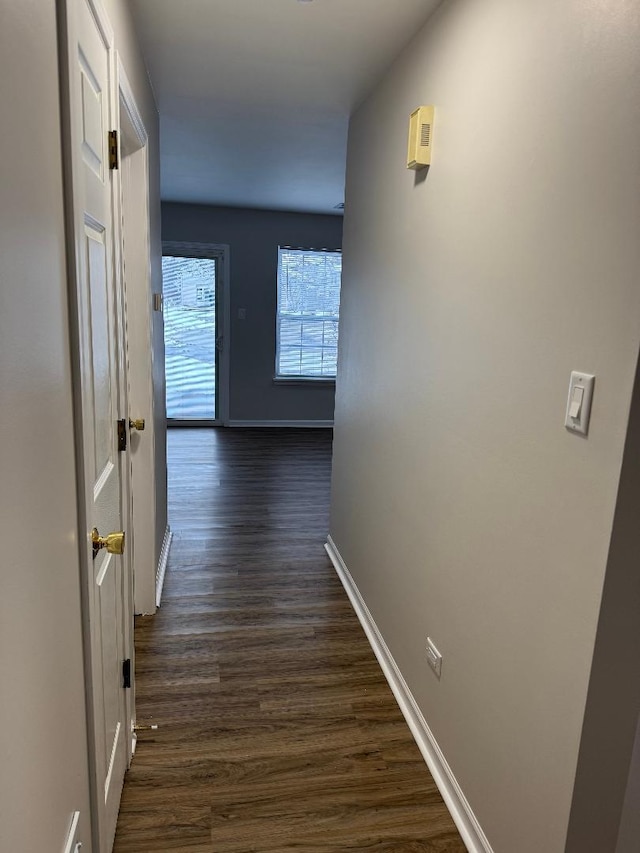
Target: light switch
579	402
576	402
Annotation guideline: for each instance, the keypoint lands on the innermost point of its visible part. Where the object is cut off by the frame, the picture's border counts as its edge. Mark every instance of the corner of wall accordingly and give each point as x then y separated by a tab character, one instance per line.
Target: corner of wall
613	700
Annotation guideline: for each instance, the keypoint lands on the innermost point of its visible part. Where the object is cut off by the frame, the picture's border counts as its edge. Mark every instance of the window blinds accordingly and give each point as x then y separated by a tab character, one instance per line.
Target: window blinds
308	312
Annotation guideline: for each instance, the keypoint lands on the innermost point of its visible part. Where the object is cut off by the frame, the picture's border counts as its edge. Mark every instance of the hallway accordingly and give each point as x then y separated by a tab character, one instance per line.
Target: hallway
277	730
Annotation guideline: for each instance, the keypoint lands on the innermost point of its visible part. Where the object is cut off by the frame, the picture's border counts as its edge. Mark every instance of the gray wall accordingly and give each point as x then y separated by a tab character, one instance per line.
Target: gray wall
43	761
630	823
462	507
254	237
606	768
43	747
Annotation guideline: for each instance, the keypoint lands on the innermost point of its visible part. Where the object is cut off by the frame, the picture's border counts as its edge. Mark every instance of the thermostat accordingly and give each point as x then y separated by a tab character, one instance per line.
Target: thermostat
420	138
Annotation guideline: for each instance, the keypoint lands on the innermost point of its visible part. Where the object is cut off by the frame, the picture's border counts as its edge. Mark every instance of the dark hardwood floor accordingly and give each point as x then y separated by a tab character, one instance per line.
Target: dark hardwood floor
277	730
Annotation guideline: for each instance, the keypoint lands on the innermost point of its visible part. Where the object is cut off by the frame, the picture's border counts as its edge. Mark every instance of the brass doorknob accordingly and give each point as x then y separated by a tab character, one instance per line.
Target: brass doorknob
137	423
114	542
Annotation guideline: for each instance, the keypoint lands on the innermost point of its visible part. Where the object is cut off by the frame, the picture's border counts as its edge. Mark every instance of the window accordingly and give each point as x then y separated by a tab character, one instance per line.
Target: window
308	311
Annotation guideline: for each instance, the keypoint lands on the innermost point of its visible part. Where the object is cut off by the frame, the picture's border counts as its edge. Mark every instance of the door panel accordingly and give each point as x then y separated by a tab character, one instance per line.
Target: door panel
92	126
101	357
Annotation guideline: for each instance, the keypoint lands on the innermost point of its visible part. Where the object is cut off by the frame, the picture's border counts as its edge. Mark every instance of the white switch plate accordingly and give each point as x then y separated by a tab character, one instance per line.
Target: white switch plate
579	402
434	657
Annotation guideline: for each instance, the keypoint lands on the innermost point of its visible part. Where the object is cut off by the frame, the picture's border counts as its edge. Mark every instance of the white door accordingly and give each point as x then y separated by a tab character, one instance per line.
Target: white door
102	393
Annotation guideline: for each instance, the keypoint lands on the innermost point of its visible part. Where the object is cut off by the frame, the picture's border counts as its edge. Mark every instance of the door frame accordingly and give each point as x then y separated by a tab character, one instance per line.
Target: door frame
138	331
220	252
69	101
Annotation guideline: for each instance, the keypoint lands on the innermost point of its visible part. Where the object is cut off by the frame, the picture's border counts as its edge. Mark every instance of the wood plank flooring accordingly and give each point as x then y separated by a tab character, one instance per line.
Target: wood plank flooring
277	730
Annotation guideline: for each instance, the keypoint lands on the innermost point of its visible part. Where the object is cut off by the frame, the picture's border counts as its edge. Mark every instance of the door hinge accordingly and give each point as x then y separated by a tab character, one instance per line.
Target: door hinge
113	149
122	435
126	673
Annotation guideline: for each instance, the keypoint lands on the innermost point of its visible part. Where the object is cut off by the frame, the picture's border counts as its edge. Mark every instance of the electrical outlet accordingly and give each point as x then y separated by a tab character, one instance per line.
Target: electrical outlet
434	658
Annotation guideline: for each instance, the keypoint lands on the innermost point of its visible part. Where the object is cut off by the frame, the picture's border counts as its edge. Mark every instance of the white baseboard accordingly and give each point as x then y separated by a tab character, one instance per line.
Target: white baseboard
162	563
71	844
296	424
458	805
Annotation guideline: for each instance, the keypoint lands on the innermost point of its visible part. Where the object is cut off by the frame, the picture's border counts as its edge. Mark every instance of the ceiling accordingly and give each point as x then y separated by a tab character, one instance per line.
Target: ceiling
255	95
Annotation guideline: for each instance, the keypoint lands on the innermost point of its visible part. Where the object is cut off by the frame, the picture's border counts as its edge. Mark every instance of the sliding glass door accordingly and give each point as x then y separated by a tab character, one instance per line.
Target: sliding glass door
191	337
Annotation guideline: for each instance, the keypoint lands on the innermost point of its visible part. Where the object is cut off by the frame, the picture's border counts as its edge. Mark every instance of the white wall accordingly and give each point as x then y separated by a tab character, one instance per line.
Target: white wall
43	760
461	506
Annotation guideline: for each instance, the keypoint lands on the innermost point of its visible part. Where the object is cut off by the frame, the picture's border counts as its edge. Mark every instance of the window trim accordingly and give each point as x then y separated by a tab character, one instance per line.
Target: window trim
319	381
